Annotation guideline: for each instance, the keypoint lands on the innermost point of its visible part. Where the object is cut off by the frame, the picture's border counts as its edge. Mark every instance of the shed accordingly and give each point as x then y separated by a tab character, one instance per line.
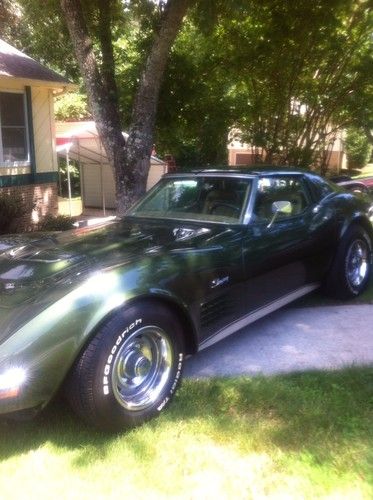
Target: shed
79	141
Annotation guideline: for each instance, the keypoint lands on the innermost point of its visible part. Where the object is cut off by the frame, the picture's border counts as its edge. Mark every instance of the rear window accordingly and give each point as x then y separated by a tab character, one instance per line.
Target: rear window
319	187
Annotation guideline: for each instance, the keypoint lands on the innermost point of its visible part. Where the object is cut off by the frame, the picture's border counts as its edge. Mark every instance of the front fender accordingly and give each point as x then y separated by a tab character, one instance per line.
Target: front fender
48	344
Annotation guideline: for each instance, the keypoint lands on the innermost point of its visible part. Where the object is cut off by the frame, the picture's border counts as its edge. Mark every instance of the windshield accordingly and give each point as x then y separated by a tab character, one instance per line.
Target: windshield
214	199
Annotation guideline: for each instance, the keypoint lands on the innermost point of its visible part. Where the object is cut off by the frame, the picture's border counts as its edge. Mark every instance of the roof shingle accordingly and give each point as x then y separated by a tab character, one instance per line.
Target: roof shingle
14	63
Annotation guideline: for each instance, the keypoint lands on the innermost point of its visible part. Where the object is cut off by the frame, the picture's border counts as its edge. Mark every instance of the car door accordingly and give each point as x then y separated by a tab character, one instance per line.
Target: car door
278	248
283	256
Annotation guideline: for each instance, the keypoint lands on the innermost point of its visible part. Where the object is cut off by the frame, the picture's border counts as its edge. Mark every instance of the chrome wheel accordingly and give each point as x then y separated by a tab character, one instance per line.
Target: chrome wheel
142	368
357	263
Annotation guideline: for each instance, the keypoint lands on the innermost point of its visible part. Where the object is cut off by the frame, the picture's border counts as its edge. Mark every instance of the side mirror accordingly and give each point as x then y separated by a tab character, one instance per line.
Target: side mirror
280	207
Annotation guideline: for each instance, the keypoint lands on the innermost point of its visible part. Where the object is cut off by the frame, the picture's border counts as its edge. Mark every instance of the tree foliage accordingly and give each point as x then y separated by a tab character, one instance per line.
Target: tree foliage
71	106
37	28
196	107
287	77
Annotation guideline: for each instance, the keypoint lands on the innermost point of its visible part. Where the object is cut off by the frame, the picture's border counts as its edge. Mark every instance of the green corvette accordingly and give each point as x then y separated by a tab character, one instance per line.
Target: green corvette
109	313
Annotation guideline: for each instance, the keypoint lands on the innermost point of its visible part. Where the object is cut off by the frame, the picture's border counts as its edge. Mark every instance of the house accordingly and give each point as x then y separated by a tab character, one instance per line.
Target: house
242	154
28	159
79	141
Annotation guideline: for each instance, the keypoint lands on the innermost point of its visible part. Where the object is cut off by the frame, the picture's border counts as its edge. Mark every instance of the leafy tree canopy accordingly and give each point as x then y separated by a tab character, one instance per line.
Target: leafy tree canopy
288	76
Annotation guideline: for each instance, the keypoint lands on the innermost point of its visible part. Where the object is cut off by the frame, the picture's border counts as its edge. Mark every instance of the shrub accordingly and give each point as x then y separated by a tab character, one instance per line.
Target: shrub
56	223
71	106
358	148
12	209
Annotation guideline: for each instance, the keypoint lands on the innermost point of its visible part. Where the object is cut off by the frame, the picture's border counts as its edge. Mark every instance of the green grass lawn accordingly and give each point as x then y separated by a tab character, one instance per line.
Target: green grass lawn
366	171
300	436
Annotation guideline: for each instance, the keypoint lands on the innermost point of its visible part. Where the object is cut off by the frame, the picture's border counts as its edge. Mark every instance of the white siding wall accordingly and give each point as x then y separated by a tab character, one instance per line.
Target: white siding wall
91	186
96	181
155	173
44	131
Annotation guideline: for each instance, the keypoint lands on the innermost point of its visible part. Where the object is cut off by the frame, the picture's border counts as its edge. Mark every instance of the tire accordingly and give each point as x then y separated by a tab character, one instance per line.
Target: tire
352	266
130	370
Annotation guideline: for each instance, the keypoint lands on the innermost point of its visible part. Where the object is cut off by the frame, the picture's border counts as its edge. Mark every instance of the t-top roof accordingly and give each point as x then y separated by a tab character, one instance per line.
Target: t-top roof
16	64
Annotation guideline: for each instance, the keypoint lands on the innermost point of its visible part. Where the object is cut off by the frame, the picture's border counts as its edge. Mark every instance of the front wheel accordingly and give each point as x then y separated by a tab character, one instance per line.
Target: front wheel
129	371
351	269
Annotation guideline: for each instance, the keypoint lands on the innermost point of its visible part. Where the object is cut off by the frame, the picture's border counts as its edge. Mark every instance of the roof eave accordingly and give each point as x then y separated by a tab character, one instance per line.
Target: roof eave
58	87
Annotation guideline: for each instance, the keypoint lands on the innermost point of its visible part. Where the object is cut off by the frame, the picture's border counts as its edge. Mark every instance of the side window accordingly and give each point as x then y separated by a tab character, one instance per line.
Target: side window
279	188
319	187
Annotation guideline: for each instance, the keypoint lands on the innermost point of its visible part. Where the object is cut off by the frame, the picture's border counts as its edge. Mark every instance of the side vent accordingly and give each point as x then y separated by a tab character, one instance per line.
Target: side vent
214	309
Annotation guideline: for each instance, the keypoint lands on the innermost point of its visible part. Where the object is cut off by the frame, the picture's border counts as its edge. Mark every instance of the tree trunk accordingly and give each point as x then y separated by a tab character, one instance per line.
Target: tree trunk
130	160
101	102
141	131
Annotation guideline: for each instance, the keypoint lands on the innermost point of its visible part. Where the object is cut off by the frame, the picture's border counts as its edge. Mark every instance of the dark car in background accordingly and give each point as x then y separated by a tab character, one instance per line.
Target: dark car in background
109	313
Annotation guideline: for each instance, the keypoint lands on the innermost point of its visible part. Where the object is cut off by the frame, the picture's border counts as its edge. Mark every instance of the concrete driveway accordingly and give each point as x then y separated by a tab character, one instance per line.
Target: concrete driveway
292	339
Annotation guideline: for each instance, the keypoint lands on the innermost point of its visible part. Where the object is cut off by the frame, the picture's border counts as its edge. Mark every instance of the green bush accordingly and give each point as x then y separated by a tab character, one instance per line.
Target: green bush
74	178
12	208
358	148
56	223
71	106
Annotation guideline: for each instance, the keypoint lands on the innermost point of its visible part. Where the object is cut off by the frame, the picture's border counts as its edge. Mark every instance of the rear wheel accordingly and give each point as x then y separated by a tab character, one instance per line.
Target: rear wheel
352	266
129	371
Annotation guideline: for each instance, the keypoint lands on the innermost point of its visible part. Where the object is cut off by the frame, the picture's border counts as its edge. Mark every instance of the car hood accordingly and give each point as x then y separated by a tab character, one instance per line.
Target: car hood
34	261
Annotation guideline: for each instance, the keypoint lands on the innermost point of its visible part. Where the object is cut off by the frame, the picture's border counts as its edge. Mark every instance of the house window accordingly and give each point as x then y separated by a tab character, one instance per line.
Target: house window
14	150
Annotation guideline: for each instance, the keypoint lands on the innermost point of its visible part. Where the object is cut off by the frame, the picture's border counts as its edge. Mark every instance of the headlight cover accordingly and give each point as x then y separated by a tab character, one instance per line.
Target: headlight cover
11	381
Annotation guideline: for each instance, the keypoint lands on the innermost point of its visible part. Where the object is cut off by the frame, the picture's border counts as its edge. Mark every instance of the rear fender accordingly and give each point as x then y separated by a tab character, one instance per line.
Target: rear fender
358	219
